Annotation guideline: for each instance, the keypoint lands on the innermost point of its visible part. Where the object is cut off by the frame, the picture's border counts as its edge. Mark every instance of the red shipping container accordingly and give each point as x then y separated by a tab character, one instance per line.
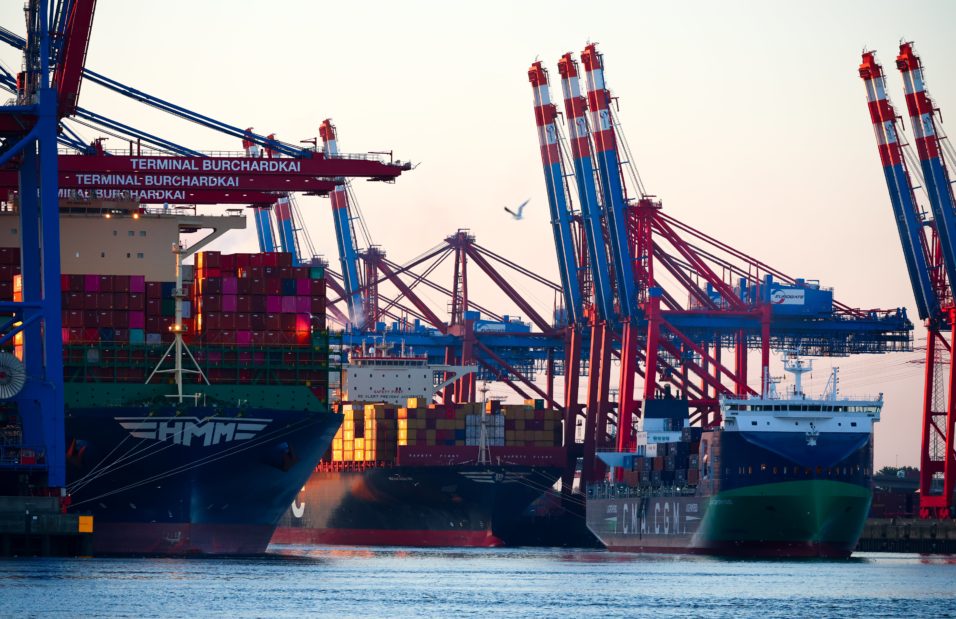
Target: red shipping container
74	319
121	300
9	255
242	261
154	290
106	283
273	286
258	303
90	300
91	335
206	259
210	285
257	322
104	300
211	303
90	318
121	283
211	321
65	335
287	322
285	272
227	321
6	272
227	262
259	338
136	301
73	300
243	303
243	321
317	306
257	285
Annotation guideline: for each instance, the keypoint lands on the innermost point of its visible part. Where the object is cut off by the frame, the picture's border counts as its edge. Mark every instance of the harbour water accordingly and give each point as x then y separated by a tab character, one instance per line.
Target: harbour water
299	581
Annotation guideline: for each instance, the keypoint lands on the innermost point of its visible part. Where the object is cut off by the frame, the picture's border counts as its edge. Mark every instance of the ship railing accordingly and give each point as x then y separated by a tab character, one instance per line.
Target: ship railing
231	154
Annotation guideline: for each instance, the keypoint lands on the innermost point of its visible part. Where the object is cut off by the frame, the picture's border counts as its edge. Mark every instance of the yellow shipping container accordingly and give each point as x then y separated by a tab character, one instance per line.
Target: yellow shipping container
337	444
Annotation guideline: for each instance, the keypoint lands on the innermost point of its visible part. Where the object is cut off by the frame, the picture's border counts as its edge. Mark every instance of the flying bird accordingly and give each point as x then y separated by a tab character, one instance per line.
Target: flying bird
517	214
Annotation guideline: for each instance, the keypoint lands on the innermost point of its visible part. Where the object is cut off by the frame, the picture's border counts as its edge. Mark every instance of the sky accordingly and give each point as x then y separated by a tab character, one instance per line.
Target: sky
747	119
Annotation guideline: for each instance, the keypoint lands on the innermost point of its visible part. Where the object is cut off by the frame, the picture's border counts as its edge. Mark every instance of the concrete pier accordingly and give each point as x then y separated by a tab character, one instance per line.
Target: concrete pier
35	526
908	535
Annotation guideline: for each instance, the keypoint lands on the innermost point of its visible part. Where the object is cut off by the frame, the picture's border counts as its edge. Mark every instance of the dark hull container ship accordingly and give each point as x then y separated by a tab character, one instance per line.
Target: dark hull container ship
196	397
405	472
781	477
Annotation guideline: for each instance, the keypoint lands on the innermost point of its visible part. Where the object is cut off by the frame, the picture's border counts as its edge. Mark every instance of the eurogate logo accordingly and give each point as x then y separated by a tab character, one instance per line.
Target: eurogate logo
186	430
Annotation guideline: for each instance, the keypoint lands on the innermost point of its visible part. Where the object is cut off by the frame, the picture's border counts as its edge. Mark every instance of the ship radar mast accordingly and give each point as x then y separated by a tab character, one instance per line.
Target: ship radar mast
178	346
798	367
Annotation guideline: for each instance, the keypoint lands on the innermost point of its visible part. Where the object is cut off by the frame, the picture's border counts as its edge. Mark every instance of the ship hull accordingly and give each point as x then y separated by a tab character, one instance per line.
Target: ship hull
809	518
196	481
458	505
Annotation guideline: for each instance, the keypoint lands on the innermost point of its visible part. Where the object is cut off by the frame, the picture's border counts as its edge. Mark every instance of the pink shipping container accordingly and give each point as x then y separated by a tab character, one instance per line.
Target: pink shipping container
91	283
229	303
273	304
243	337
303	305
288	305
230	285
137	283
137	320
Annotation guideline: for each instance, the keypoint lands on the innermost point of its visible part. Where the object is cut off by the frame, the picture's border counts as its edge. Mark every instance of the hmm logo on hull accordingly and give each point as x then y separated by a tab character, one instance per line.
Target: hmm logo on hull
188	431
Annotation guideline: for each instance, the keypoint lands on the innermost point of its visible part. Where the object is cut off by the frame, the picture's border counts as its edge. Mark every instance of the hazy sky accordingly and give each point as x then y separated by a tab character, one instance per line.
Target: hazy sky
748	120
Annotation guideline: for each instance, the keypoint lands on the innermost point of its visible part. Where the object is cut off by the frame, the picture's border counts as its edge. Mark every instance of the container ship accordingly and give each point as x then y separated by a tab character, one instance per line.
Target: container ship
783	476
405	472
196	398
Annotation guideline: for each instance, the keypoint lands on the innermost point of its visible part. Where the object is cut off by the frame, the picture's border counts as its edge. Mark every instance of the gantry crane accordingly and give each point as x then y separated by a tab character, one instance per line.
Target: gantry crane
673	337
929	254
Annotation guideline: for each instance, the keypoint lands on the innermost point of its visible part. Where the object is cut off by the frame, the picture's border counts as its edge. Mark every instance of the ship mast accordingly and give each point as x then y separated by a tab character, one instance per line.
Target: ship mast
483	457
178	346
796	366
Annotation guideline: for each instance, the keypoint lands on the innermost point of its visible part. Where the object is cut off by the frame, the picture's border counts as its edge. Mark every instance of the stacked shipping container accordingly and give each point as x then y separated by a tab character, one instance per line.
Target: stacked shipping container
117	327
373	432
668	464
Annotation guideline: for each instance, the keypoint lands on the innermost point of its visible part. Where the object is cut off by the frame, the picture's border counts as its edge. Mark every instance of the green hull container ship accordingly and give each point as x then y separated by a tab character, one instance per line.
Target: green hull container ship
779	477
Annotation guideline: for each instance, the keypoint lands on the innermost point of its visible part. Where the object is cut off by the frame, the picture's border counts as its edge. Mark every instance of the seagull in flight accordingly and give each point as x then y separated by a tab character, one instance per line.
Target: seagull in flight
517	214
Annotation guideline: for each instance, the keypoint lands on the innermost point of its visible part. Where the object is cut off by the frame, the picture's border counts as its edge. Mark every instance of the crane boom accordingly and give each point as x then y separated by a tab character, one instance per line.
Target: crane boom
579	136
545	113
909	222
935	175
348	252
612	187
260	213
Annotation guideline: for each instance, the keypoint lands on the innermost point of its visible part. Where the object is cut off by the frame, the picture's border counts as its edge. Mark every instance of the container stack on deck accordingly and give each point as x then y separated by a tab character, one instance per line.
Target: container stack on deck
250	318
374	432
